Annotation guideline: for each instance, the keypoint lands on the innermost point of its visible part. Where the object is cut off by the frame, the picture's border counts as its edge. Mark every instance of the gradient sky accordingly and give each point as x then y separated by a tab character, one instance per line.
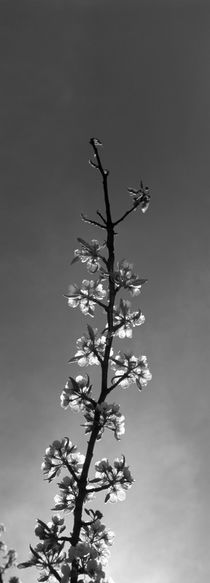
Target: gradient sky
136	75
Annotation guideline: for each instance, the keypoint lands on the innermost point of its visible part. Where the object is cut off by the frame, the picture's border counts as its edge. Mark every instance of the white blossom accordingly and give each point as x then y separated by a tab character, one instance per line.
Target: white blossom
75	393
89	254
125	320
111	418
141	197
130	369
125	278
90	349
86	296
60	454
116	478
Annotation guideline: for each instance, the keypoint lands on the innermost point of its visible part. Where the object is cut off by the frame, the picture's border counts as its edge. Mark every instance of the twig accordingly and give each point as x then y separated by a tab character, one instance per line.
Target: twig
101	216
71	471
92	222
125	215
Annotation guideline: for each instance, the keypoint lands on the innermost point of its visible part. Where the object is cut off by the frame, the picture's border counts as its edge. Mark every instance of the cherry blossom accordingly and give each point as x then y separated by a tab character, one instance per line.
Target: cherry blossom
99	537
89	254
66	500
60	454
87	296
141	197
75	393
111	418
130	369
8	558
125	278
90	349
116	478
125	320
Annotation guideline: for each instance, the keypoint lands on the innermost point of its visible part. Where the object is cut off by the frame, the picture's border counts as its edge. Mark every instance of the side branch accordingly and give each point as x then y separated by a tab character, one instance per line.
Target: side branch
98	166
101	216
92	222
104	173
125	215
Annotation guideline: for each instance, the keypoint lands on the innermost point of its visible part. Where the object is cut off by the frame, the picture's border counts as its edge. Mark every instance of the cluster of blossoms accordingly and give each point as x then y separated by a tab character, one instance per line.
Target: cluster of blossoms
48	553
116	479
49	532
124	320
141	197
87	296
95	533
66	499
110	418
85	563
130	369
3	546
124	277
89	254
88	556
62	454
90	349
76	393
8	558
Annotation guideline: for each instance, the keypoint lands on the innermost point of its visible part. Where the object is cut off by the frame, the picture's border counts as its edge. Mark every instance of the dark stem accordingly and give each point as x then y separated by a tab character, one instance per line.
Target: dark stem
82	485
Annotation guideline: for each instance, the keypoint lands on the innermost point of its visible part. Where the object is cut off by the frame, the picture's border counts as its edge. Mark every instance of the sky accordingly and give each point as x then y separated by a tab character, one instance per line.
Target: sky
136	75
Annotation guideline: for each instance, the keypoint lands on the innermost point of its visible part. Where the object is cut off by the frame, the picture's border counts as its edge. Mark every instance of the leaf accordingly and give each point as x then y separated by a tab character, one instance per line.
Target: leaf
73	359
91	333
24	565
43	524
83	242
141	281
36	555
133	190
90	312
74	383
74	260
107	497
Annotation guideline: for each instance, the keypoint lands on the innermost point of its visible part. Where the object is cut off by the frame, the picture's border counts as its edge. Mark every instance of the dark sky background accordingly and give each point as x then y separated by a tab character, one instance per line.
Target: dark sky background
136	75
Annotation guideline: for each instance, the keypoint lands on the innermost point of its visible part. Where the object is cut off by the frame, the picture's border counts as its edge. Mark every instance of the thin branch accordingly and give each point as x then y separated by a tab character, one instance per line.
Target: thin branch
71	471
98	356
86	398
98	166
99	489
91	222
101	216
125	376
91	298
125	215
104	306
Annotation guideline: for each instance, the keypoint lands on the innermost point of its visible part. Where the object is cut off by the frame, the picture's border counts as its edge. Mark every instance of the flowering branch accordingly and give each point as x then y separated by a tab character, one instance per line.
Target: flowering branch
80	557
